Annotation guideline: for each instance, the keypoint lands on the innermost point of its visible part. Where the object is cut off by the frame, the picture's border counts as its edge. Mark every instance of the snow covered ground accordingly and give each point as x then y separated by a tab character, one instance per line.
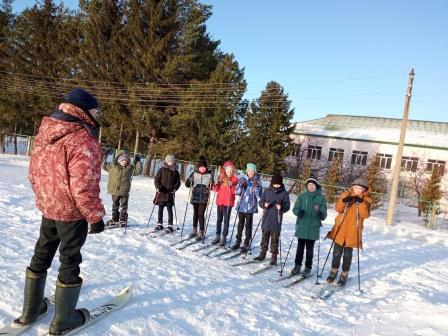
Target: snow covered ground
403	273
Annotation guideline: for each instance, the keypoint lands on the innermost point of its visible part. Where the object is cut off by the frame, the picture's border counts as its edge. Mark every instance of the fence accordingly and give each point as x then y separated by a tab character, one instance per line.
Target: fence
435	216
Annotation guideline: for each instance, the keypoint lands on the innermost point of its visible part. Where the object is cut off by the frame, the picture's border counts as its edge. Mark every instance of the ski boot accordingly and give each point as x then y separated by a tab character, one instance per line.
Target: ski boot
200	235
223	241
193	233
159	227
215	241
296	270
244	249
236	246
261	256
273	261
342	280
169	229
306	272
332	276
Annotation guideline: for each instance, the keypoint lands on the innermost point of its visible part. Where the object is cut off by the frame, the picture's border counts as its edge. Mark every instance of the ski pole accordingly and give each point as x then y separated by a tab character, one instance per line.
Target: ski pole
129	193
209	215
150	216
186	208
175	212
335	236
253	236
236	217
357	231
286	258
318	259
280	238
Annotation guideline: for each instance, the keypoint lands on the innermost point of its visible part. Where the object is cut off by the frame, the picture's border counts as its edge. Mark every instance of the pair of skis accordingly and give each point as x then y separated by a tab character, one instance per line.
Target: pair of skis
327	291
96	314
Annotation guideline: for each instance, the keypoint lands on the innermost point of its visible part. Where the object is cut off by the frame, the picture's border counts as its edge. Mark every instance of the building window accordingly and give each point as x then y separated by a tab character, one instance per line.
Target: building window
314	152
409	163
359	158
296	150
436	165
384	160
336	153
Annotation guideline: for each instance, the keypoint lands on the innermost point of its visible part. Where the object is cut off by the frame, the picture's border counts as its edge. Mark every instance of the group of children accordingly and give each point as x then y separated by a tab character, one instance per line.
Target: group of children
353	206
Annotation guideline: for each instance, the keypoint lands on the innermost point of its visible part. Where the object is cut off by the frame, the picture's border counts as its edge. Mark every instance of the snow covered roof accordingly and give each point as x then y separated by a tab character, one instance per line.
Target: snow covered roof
377	129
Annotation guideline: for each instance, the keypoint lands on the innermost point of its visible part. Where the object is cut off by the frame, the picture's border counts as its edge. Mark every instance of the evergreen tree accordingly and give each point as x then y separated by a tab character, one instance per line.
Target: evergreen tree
269	129
332	179
209	124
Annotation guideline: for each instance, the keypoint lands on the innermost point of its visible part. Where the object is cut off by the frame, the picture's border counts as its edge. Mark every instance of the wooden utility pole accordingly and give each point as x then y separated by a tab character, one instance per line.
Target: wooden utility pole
396	178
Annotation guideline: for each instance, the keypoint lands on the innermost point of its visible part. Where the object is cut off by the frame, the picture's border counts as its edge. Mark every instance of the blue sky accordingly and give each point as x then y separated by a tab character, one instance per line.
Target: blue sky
341	57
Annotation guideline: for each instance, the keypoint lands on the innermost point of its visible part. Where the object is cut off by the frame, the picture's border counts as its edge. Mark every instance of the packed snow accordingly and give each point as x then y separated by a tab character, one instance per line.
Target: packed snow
403	276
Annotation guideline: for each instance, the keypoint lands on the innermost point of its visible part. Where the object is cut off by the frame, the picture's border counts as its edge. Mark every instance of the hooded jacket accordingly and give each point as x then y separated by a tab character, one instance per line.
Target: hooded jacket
226	187
119	183
272	217
313	206
167	181
249	190
65	167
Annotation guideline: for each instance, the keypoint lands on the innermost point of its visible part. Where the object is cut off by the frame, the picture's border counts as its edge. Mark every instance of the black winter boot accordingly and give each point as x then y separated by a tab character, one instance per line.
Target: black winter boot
273	260
296	270
261	256
236	246
66	315
216	240
34	302
115	216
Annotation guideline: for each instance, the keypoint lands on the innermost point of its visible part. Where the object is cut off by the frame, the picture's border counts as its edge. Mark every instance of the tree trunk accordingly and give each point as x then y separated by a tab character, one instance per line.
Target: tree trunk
147	167
15	139
137	138
121	134
2	142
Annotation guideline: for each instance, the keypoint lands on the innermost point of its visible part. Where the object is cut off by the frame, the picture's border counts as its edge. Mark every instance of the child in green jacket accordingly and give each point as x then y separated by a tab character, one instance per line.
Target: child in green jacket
121	172
310	209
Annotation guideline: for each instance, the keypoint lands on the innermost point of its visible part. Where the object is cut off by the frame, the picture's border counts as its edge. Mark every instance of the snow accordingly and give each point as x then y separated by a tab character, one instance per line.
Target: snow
403	274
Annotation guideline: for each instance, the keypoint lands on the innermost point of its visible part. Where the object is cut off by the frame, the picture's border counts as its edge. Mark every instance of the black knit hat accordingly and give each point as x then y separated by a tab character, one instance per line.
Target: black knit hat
276	179
81	98
312	180
202	162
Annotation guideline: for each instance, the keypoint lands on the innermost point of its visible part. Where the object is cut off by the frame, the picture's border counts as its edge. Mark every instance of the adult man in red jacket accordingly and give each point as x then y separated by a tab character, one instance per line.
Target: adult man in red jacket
65	171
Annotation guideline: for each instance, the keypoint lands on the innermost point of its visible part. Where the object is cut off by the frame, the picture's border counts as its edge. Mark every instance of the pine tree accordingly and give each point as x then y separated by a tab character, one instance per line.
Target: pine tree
209	123
269	128
432	190
332	179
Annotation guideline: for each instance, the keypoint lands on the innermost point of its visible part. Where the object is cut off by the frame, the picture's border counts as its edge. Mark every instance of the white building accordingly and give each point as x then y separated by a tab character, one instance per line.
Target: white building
357	138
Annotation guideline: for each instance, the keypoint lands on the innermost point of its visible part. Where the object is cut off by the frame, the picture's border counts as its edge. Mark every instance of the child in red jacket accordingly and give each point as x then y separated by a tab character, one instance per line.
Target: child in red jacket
225	200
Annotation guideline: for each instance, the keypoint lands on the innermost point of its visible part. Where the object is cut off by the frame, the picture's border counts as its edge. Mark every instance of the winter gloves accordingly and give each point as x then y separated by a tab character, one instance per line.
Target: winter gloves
349	199
97	227
137	158
301	213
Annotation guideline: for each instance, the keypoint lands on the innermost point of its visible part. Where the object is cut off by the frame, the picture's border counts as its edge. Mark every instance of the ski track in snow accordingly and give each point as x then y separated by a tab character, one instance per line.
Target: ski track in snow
184	293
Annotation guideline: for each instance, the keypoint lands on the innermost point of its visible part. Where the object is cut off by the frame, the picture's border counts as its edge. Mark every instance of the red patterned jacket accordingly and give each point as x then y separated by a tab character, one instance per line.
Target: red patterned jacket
65	169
